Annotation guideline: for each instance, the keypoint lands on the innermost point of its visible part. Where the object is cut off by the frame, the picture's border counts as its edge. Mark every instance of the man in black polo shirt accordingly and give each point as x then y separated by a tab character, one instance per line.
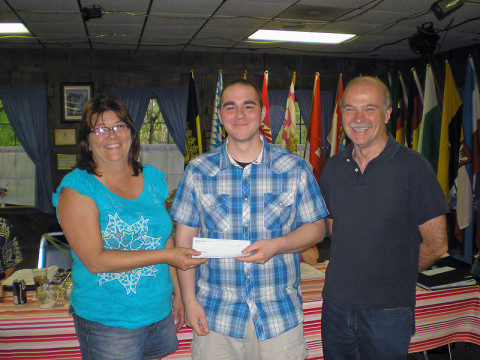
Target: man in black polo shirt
387	221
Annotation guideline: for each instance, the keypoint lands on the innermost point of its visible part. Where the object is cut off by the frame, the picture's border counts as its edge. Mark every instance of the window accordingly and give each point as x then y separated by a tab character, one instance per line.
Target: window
158	148
17	171
154	130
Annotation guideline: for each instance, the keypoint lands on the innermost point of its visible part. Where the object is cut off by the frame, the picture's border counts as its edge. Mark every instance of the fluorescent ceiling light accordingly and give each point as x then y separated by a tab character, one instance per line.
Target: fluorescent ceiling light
13	28
300	36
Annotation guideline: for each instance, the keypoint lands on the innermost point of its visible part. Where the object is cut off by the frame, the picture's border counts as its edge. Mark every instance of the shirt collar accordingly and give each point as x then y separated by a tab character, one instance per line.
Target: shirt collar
257	161
387	153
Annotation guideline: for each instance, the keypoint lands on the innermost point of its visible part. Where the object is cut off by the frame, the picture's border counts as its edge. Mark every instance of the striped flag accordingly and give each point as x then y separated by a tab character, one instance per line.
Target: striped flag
217	134
265	126
402	106
471	124
315	132
336	135
193	134
429	135
289	135
450	133
415	110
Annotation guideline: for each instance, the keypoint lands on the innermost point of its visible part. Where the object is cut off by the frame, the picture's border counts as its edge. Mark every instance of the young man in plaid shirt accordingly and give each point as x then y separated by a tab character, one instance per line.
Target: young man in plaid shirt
250	307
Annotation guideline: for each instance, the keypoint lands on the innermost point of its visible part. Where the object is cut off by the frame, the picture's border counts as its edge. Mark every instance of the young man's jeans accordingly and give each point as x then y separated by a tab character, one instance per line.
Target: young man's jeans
366	334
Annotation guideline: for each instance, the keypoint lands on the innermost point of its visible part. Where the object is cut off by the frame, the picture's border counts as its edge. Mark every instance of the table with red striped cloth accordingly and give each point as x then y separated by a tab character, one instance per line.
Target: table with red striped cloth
443	316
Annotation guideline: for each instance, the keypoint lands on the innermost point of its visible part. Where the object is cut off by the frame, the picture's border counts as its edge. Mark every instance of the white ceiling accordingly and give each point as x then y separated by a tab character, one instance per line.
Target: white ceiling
383	26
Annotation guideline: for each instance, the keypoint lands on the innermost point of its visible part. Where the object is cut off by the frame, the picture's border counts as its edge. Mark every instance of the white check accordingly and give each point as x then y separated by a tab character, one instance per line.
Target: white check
219	248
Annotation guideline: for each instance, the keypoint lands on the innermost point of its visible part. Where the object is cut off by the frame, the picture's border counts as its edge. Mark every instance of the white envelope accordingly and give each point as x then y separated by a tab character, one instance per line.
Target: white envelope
219	248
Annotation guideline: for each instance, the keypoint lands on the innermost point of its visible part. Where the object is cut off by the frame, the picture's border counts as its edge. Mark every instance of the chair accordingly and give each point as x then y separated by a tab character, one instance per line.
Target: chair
49	254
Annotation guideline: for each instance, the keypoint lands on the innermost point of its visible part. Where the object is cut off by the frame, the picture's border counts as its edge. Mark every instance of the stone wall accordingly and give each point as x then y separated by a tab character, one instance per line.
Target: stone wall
109	68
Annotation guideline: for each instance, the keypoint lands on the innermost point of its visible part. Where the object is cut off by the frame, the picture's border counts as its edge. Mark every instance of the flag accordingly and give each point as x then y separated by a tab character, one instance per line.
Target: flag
289	135
415	111
475	117
429	135
336	135
395	94
402	106
217	134
265	127
464	189
193	133
470	123
315	132
450	134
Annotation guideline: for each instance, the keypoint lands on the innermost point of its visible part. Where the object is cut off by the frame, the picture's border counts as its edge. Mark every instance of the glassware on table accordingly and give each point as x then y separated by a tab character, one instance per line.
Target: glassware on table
67	289
46	296
40	276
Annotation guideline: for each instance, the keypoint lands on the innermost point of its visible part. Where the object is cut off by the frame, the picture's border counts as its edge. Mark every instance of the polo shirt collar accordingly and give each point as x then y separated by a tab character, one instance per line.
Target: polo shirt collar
387	153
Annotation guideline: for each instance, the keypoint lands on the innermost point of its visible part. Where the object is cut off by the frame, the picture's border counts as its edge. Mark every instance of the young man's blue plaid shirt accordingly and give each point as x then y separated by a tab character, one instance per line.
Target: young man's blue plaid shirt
264	200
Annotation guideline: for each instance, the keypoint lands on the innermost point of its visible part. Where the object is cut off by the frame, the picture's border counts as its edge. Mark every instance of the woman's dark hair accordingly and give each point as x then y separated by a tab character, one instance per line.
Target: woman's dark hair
94	108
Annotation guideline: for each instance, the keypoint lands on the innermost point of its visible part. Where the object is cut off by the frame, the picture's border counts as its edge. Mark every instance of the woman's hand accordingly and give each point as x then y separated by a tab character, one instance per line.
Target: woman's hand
178	312
181	258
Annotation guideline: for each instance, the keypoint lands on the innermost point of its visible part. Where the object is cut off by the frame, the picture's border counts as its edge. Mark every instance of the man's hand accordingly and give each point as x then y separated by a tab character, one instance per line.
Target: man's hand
260	251
196	319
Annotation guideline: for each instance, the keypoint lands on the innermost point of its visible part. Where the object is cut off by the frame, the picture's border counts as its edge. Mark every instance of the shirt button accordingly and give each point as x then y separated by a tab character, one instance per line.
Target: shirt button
248	276
246	199
348	160
356	169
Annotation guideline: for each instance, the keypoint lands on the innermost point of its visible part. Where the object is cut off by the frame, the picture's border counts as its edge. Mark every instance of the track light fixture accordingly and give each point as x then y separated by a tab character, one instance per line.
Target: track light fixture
442	8
425	40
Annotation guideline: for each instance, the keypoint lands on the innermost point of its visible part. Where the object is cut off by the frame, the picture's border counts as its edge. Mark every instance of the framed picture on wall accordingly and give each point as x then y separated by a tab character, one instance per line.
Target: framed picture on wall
74	97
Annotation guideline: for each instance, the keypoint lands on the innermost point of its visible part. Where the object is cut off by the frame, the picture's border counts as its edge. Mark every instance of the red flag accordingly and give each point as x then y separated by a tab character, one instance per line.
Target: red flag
471	124
336	132
317	151
416	110
265	127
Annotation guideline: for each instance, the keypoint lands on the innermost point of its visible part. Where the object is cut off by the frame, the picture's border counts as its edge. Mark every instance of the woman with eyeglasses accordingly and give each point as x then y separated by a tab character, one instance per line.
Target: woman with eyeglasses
125	301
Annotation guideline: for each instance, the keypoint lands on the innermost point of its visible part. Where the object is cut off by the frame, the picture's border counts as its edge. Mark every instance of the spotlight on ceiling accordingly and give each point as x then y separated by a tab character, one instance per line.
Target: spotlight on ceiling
94	13
442	8
425	40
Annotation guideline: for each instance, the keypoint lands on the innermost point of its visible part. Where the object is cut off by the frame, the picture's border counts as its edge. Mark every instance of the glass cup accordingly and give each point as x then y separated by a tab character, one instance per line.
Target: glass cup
46	296
40	276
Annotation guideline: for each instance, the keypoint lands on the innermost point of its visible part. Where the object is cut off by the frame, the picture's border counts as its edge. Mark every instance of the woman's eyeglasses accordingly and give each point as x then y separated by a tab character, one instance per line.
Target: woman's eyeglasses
105	130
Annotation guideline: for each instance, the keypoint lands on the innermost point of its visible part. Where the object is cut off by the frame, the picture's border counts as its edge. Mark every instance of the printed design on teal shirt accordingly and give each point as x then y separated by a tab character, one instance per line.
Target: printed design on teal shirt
119	235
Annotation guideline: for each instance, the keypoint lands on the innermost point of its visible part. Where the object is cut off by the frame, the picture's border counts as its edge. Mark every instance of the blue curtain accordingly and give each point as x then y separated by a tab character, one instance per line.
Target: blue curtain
26	109
173	105
136	101
277	100
304	99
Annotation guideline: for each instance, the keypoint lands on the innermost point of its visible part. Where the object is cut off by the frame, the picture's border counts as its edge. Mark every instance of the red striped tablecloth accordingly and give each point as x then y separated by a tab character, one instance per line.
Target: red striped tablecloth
442	317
